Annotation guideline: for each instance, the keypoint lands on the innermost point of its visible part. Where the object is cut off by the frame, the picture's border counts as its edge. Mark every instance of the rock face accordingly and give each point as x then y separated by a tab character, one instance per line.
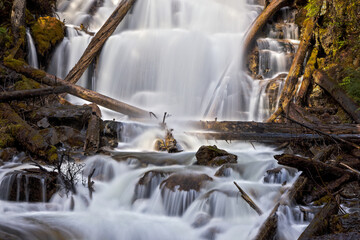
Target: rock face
213	156
29	185
186	182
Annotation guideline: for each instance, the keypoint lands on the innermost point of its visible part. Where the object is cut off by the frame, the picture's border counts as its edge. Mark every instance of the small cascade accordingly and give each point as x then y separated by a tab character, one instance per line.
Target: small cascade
274	55
32	55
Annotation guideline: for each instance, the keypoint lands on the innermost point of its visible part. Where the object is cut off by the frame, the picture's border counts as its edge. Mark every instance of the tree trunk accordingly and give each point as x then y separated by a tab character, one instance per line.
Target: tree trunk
260	22
75	90
92	142
295	70
24	94
338	94
17	17
98	40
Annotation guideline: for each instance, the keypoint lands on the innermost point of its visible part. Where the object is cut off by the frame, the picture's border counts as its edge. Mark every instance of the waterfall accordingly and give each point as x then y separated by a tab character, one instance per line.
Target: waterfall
181	57
32	55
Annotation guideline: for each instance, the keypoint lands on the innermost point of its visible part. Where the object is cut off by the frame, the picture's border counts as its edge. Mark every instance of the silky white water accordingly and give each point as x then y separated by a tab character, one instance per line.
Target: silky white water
181	57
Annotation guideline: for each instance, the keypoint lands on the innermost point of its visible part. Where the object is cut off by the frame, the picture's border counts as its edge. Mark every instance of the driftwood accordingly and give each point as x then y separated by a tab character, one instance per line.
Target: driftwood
338	94
24	134
313	169
248	200
260	22
295	70
24	94
320	223
268	230
75	90
98	40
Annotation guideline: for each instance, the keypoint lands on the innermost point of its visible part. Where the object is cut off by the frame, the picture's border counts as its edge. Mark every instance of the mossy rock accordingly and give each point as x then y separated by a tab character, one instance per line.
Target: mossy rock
47	32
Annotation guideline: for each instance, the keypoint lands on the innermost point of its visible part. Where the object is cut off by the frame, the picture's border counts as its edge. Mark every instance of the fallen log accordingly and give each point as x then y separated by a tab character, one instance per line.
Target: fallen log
25	135
98	40
295	70
268	229
75	90
261	127
260	22
248	200
320	223
32	93
313	169
272	137
338	94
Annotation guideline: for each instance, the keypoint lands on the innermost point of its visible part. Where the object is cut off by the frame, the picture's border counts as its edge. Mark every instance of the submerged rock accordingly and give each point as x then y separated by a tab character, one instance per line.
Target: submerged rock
213	156
226	169
29	185
185	182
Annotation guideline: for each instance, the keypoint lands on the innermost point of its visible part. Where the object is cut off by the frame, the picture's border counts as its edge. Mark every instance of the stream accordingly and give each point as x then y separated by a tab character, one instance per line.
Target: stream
182	57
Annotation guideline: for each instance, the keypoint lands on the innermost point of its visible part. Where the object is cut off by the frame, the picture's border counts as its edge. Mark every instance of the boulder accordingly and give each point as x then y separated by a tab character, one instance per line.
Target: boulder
29	185
213	156
186	182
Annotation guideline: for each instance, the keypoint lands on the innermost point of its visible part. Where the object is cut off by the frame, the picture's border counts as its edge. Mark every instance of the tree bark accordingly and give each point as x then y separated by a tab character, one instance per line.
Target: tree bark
92	141
98	40
75	90
295	70
338	94
260	22
313	169
24	94
17	17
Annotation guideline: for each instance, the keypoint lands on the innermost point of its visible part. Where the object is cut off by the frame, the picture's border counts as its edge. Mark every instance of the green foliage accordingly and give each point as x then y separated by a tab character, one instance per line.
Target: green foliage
351	83
5	39
313	7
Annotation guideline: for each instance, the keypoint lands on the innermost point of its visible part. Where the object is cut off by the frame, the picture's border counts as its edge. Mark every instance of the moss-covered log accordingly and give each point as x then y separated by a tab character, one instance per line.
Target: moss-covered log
98	40
75	90
338	94
31	93
25	135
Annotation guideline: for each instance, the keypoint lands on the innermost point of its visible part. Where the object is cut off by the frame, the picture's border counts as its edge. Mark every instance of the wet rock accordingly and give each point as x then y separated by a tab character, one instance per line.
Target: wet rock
50	135
185	182
43	123
213	156
30	185
279	175
201	220
149	182
349	222
7	154
226	169
65	115
70	137
351	190
112	129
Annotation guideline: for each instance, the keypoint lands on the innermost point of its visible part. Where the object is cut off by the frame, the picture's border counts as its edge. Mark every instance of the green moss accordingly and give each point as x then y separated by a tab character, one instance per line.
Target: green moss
47	32
26	83
351	83
6	139
313	8
322	200
13	63
5	38
52	155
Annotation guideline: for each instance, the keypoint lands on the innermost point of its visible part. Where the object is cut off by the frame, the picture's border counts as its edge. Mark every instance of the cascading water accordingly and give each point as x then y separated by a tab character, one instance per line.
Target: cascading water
179	56
32	55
